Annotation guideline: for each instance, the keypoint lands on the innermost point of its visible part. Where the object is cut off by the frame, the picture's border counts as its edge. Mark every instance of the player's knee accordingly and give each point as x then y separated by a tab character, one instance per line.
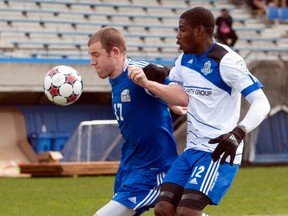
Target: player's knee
163	208
182	211
194	200
115	208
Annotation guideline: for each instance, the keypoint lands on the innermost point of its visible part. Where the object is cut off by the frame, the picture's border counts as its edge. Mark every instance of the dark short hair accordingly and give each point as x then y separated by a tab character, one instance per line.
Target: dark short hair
200	16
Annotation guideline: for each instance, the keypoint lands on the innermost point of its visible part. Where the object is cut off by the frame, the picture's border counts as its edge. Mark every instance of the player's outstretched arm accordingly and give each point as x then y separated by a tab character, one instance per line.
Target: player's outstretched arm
172	94
179	110
258	110
229	142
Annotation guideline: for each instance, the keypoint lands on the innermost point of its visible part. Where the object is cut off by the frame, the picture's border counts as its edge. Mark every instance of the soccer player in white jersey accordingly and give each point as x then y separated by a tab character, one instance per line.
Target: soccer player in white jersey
214	77
145	123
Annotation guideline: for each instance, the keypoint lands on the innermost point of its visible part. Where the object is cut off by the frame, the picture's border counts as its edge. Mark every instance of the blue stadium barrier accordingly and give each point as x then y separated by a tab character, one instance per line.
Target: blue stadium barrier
43	60
272	142
168	62
59	140
283	14
272	13
41	142
60	123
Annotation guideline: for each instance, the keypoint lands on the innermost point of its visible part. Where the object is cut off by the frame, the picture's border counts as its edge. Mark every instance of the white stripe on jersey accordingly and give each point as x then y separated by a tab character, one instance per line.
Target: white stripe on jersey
209	177
153	194
139	63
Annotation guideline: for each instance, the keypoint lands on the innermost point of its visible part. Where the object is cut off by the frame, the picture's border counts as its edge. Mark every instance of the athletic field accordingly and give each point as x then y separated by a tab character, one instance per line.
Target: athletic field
256	191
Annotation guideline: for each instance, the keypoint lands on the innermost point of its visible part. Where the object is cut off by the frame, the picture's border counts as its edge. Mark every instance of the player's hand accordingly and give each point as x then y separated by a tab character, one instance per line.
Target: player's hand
156	73
227	144
137	75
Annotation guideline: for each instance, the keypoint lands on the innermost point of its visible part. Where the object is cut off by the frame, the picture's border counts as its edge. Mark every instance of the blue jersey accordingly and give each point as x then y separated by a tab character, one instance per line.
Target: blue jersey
145	124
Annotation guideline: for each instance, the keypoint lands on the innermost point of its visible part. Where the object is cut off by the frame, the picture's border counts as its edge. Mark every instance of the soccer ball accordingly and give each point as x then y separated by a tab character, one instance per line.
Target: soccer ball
63	85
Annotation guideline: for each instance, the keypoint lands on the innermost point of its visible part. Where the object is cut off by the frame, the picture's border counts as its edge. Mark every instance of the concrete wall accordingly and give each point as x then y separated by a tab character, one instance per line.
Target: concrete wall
30	76
274	77
13	143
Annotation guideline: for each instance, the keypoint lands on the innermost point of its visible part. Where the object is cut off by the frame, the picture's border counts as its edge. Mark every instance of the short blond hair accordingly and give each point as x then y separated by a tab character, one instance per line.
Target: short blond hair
109	37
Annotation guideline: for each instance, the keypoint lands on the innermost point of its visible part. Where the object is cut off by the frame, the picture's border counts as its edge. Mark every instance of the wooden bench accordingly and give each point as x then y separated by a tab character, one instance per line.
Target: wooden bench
70	168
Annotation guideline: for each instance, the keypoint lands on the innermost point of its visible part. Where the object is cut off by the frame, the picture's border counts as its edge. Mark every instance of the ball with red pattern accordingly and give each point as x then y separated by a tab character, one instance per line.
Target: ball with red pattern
63	85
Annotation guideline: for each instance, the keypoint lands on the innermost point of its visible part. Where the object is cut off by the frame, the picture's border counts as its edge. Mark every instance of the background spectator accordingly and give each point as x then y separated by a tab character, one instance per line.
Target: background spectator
279	3
225	33
258	6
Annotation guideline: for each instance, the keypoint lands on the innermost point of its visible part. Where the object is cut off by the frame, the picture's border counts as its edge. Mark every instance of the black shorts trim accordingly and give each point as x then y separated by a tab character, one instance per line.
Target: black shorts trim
194	199
171	193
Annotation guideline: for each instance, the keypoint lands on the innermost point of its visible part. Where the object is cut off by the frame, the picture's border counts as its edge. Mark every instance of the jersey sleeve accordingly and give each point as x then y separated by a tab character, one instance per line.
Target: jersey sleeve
235	73
175	75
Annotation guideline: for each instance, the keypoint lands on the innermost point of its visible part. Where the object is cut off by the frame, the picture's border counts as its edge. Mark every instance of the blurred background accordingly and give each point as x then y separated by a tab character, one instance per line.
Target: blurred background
36	35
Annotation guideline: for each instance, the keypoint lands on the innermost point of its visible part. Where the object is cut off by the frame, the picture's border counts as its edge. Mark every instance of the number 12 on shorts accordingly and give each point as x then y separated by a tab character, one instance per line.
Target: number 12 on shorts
197	171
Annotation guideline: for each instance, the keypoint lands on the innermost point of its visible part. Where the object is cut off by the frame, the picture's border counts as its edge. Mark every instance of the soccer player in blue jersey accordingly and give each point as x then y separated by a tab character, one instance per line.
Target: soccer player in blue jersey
145	123
214	77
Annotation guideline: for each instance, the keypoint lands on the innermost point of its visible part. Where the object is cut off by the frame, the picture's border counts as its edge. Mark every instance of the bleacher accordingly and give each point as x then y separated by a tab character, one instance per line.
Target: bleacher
47	31
60	29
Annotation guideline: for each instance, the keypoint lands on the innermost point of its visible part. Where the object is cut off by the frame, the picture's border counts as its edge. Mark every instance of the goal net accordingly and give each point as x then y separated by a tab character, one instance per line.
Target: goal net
97	140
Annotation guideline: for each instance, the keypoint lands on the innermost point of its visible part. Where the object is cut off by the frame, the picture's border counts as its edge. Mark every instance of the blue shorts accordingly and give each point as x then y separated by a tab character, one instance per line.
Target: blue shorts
196	170
137	191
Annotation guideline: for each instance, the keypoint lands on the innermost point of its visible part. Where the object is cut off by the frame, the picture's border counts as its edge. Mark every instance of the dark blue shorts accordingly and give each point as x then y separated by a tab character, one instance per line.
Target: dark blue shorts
137	191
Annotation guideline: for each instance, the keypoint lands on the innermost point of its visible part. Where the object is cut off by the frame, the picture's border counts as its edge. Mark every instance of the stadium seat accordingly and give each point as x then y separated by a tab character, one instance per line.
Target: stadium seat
251	39
283	14
39	27
272	13
41	142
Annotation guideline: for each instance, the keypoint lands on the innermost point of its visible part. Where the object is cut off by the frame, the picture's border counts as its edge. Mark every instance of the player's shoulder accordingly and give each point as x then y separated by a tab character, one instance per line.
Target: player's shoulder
217	52
229	59
222	53
180	59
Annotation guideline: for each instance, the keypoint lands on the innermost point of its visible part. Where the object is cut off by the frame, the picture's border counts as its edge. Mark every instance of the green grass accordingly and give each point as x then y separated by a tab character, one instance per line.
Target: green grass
255	191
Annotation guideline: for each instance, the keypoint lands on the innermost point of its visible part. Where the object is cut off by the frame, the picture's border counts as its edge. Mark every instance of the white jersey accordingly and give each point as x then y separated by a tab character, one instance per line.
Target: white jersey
214	81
